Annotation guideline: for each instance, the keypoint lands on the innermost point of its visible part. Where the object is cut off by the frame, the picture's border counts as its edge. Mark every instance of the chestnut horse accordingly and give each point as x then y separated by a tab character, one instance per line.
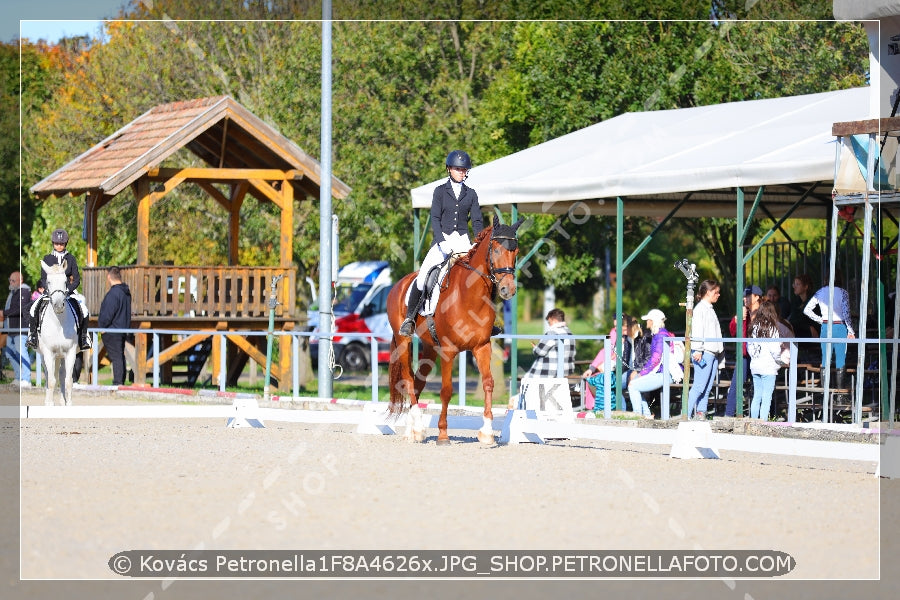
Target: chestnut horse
462	321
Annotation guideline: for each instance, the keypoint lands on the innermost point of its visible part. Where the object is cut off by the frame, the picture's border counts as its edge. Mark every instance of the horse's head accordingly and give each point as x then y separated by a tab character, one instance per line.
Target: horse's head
502	257
56	285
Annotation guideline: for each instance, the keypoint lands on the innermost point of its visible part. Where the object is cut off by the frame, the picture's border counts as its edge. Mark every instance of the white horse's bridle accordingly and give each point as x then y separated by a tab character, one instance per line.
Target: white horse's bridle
56	275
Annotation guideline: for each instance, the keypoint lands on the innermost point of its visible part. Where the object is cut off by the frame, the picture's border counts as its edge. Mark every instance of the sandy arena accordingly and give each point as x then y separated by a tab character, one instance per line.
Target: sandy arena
90	489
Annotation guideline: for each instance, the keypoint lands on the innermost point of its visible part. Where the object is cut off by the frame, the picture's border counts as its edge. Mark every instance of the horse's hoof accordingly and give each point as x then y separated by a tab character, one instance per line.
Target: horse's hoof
443	442
419	436
486	438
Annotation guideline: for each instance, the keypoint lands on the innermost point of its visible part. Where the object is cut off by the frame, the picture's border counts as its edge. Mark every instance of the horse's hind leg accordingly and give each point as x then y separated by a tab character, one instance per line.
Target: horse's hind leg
483	360
426	365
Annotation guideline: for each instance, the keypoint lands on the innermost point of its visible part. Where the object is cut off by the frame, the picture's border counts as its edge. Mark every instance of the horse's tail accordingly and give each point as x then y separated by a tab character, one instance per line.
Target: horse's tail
396	381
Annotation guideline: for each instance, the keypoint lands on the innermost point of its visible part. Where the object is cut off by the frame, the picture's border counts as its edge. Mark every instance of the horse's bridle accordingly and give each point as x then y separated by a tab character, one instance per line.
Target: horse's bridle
508	242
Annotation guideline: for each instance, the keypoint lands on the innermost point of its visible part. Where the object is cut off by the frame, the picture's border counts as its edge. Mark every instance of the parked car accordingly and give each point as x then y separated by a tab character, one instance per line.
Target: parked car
367	314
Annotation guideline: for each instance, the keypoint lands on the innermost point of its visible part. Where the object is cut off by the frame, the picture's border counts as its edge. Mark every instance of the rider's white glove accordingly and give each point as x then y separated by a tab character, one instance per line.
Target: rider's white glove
455	243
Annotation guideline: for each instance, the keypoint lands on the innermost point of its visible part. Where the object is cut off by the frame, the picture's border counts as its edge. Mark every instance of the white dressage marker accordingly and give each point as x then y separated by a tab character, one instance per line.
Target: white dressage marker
374	420
516	428
890	458
246	414
549	397
694	440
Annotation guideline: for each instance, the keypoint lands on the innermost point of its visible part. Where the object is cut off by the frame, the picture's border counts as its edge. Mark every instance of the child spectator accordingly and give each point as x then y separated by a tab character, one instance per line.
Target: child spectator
765	358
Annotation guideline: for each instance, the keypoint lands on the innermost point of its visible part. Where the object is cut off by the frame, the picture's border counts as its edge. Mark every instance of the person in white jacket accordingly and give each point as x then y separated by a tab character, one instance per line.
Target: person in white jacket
765	358
704	351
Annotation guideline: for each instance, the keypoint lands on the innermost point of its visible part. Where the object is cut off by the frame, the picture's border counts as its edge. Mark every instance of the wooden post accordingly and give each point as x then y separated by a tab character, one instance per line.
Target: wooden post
287	224
238	191
142	193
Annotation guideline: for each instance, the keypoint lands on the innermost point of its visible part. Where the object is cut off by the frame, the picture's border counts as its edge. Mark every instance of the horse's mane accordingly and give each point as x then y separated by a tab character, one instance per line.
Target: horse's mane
486	232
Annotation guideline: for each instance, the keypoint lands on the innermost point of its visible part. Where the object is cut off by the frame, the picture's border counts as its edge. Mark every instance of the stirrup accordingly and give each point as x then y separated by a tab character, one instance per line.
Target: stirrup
407	328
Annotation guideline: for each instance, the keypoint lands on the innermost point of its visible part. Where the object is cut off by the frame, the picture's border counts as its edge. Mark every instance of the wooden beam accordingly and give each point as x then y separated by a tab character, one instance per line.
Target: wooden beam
169	185
238	192
224	140
182	345
866	126
251	350
268	191
212	174
215	194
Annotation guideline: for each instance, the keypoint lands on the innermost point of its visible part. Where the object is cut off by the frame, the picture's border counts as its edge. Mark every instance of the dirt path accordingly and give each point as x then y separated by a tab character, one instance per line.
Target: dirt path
90	489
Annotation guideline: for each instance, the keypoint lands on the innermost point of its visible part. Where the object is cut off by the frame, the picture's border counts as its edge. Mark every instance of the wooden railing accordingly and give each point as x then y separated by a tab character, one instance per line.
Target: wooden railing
213	292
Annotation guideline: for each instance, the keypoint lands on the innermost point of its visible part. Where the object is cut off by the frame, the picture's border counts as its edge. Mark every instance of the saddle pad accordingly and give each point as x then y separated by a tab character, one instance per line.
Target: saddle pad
430	303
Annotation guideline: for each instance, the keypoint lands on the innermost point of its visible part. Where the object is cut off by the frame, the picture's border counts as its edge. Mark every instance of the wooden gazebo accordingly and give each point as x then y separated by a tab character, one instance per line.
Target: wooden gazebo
246	156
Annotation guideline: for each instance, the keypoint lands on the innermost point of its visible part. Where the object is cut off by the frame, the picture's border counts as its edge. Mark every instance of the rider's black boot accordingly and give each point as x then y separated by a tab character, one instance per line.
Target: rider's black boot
83	342
409	324
31	342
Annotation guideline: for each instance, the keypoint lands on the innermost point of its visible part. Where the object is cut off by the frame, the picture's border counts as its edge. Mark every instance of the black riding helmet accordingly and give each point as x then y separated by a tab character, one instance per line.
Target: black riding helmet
60	236
458	158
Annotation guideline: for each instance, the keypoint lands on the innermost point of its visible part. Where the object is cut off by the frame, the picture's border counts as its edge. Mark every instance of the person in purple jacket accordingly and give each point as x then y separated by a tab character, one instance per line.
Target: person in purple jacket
651	377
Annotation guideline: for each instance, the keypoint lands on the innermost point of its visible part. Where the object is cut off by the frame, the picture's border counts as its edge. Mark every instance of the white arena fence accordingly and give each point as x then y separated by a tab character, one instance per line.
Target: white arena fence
219	337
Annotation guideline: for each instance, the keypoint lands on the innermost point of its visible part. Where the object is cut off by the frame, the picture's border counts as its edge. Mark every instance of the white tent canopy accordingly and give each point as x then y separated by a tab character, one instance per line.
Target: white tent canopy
654	159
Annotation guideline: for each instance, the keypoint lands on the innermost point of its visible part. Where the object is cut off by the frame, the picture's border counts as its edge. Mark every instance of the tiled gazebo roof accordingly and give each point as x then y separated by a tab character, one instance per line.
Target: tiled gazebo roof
220	131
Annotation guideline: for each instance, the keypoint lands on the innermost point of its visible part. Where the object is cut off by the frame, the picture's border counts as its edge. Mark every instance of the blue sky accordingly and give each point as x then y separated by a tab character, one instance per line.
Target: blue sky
53	19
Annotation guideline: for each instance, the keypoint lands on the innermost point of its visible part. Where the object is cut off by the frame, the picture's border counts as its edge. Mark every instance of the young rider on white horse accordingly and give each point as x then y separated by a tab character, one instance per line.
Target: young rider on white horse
58	256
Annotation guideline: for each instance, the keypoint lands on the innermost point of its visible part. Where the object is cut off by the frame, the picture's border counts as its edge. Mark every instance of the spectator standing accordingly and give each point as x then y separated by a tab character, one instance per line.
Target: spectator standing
705	351
765	358
15	317
651	377
752	298
115	313
839	318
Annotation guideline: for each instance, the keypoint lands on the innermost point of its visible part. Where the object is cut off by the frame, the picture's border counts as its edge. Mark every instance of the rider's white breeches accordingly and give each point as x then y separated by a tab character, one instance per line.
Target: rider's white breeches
434	257
76	295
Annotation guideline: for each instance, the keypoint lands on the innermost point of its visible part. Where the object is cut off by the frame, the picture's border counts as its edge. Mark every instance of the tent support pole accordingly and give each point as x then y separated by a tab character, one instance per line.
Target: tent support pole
737	378
620	267
514	321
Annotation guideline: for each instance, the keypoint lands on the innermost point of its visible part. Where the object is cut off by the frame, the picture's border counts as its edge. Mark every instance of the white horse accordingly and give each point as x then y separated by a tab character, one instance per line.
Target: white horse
58	338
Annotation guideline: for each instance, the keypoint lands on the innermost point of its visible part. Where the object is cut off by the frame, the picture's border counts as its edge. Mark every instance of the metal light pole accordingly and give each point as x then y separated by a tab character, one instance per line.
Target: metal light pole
325	211
273	302
690	273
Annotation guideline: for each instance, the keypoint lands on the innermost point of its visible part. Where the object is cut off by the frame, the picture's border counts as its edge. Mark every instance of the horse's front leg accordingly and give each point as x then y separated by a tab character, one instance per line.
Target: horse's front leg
446	392
483	360
68	379
52	370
